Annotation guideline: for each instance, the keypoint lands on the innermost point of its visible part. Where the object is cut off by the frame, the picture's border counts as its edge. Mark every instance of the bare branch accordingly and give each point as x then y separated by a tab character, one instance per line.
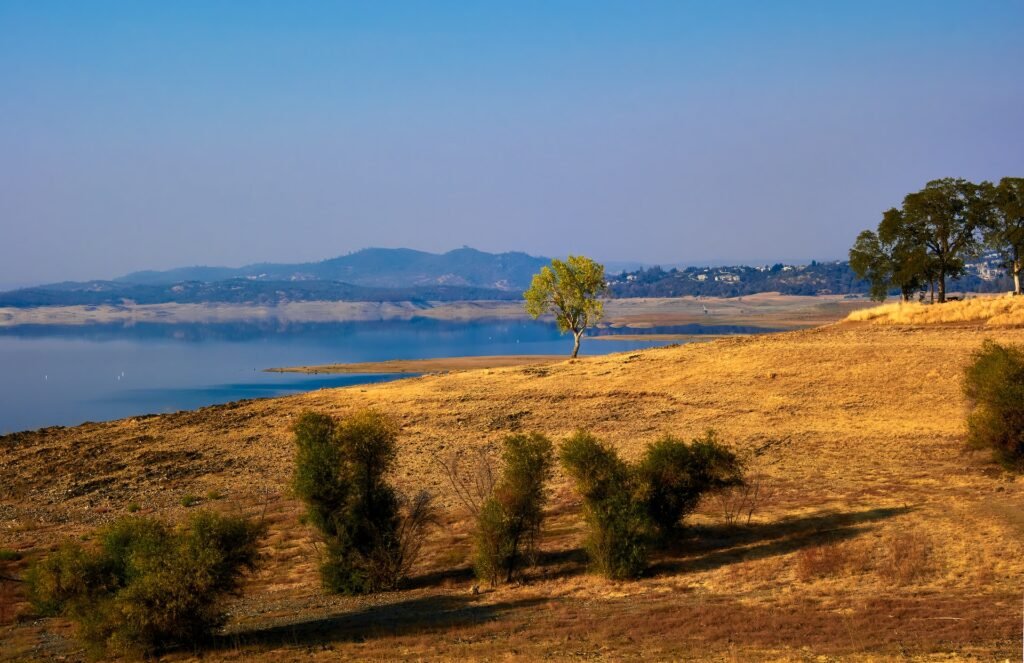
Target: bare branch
472	486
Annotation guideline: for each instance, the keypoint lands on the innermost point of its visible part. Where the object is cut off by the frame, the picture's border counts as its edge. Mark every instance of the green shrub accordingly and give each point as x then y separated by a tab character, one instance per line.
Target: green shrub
628	506
509	522
189	500
133	507
994	385
673	476
340	470
7	555
619	525
145	586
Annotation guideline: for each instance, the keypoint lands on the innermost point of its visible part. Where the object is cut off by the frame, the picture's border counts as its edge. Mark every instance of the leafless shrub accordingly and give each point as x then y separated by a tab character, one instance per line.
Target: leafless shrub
738	504
418	514
472	482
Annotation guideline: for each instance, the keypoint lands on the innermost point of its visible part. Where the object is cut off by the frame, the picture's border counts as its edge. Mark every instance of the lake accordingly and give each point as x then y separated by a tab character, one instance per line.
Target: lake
66	375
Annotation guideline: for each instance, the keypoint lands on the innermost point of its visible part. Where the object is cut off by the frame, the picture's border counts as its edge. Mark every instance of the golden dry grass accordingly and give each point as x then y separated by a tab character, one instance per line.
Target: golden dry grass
859	429
1005	311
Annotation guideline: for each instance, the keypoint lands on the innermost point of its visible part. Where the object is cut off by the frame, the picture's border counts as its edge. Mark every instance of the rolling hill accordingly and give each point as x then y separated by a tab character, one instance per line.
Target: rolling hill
375	268
884	538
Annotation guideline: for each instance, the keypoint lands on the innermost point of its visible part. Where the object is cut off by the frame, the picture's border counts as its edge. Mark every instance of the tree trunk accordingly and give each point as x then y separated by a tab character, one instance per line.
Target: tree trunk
942	288
1016	276
576	343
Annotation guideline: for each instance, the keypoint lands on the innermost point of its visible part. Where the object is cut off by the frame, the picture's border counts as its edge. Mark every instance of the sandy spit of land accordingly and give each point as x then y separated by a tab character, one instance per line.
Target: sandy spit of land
682	338
437	365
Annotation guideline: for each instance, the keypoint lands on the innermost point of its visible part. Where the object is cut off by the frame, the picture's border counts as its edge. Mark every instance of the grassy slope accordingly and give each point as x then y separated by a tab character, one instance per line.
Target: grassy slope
992	311
860	428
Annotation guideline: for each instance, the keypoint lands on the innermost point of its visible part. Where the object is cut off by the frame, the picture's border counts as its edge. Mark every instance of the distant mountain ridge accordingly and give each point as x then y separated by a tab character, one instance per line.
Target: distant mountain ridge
374	268
406	275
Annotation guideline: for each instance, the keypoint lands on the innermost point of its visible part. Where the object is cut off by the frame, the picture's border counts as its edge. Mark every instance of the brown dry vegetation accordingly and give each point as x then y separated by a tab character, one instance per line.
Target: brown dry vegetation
884	538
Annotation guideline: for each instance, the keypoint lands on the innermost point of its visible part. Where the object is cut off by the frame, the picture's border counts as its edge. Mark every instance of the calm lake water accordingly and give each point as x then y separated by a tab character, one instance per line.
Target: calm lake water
55	375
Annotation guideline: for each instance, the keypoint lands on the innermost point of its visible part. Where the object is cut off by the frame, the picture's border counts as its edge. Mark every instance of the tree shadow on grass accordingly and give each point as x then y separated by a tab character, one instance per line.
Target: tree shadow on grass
458	574
418	615
706	548
700	548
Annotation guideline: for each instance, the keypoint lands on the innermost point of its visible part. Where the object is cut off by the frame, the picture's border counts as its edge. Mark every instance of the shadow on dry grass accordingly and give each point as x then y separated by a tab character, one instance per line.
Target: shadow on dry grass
440	578
707	548
409	617
702	548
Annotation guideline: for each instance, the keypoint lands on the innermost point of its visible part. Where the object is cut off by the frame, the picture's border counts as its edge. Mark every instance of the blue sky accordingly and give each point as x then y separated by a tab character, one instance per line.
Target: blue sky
149	135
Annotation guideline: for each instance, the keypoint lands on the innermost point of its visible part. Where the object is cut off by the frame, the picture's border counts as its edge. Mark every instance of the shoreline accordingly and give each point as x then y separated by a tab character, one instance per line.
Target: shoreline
763	309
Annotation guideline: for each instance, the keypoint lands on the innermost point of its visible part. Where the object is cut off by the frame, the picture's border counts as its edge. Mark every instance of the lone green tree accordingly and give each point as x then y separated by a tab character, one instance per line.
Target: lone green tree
570	290
1003	228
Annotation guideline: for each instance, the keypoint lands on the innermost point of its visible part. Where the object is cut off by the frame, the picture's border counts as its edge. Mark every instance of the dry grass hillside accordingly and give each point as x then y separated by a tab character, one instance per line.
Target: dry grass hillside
990	311
884	538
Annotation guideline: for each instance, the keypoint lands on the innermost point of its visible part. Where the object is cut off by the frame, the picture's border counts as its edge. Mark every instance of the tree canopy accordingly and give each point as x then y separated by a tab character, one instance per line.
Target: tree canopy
1003	227
944	217
930	238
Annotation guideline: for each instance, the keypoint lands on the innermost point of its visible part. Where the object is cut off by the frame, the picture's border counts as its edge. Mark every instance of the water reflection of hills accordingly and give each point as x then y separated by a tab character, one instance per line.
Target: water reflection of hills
277	329
245	331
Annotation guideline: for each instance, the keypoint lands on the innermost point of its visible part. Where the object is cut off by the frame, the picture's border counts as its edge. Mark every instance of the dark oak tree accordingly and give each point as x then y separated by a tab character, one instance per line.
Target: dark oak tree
1003	227
945	217
890	258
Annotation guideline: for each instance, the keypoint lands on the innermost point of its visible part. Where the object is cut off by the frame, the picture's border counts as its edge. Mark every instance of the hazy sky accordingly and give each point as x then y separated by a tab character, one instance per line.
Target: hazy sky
157	134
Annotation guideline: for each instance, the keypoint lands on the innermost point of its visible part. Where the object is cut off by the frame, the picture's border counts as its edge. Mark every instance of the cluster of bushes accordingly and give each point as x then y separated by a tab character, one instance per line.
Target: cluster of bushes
368	529
628	508
994	385
144	585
